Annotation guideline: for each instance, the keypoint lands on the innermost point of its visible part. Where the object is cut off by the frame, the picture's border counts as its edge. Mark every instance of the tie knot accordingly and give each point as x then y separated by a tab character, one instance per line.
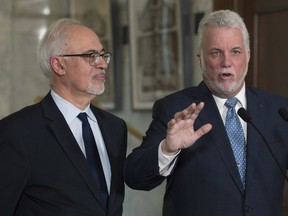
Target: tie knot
83	117
231	102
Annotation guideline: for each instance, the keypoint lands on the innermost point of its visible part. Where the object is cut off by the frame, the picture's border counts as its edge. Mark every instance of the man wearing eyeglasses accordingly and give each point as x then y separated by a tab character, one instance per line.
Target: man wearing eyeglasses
59	157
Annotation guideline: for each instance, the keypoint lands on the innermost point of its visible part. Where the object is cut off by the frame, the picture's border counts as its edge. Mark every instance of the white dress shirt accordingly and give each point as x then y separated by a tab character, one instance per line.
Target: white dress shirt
70	112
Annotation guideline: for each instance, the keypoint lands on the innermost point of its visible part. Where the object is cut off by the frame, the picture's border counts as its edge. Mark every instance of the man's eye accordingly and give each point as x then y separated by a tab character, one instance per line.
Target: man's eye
93	55
215	53
235	52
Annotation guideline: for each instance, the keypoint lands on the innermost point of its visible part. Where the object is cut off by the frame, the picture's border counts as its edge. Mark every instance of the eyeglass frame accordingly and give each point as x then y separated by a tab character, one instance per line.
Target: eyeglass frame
89	55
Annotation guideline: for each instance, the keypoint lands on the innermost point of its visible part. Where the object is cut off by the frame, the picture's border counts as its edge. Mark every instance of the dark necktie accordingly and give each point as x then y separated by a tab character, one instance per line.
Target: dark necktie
93	157
236	136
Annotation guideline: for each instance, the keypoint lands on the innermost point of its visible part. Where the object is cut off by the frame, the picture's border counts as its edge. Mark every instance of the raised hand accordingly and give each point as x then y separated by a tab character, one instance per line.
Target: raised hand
180	130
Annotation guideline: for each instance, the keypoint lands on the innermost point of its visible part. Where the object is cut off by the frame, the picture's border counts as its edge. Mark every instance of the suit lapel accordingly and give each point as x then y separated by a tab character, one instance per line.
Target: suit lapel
218	134
68	143
255	108
105	129
106	132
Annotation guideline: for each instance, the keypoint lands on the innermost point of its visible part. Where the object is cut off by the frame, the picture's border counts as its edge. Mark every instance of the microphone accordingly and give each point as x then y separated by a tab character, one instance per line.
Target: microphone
283	113
247	118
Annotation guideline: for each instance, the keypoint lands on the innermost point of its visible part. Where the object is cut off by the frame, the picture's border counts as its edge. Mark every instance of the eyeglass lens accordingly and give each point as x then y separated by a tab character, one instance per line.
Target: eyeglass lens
95	58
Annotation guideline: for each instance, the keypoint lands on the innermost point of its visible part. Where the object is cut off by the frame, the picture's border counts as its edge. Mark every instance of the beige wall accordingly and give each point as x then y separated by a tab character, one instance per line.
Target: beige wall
21	82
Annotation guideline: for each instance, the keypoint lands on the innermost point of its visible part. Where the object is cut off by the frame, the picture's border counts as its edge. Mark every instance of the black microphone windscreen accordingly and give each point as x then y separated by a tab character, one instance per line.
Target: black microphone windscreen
283	113
244	114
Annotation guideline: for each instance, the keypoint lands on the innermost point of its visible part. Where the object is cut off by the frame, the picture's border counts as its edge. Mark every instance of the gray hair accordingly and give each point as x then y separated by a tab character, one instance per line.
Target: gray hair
223	18
53	43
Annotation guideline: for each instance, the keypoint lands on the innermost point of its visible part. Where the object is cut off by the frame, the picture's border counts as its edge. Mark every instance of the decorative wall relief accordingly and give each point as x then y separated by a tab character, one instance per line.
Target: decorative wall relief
156	50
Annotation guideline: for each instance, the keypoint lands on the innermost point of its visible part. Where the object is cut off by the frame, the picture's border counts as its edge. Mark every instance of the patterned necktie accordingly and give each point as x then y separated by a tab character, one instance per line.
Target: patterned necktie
93	157
236	136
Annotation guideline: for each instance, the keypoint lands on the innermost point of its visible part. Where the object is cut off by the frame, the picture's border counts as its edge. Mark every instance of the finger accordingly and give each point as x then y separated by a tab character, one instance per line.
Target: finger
170	124
199	108
178	116
186	113
197	111
204	129
191	111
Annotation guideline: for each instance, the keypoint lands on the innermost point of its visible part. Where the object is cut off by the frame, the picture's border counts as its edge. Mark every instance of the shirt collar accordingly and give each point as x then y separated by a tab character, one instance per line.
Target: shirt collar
68	110
240	96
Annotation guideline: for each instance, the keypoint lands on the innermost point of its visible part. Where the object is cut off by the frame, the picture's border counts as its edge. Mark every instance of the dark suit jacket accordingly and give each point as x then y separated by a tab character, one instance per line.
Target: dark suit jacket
205	180
43	171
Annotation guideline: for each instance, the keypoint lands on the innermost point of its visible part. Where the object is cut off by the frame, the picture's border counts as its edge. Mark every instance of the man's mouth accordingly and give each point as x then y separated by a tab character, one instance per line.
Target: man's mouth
226	74
100	77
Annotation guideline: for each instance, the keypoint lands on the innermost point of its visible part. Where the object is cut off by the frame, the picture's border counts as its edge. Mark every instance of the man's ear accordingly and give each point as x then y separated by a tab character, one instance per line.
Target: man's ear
57	65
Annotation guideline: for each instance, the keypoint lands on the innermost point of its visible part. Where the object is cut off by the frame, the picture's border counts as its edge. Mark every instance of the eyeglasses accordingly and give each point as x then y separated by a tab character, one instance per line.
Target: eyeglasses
94	57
